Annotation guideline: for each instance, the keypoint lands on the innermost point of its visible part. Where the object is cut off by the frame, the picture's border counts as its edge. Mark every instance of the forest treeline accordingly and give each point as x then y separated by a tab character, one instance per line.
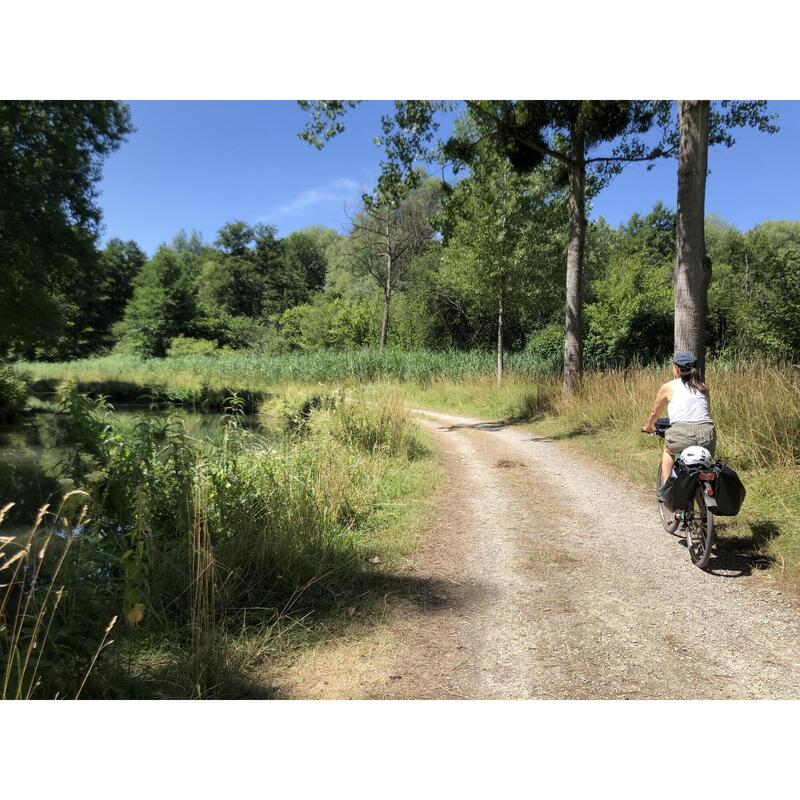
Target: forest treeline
488	261
251	290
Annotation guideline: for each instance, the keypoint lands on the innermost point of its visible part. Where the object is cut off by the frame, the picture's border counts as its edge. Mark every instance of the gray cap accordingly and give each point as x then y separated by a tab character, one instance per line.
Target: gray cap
685	358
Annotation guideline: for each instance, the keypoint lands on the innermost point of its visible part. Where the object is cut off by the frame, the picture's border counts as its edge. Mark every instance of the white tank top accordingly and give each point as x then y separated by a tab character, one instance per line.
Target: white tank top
687	405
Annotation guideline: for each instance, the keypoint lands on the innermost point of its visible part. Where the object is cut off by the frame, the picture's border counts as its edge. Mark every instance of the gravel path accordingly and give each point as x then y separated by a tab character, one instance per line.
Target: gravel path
543	576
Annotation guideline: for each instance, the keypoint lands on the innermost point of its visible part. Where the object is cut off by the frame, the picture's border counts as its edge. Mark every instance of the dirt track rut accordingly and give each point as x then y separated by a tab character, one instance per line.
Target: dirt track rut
544	576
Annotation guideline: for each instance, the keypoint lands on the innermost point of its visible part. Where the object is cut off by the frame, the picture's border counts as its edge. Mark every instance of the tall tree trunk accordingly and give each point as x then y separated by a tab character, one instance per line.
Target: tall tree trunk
387	288
693	268
387	299
500	351
573	329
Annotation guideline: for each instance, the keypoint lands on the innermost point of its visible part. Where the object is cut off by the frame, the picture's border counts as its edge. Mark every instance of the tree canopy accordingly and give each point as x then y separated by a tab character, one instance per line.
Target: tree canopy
51	155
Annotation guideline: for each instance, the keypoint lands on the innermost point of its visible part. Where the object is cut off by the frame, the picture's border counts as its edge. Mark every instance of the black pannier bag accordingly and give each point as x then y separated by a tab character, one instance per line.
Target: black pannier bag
677	491
729	491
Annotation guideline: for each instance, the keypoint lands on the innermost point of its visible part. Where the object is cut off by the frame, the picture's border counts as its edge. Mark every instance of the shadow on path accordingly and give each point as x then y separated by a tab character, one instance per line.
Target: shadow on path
739	556
478	426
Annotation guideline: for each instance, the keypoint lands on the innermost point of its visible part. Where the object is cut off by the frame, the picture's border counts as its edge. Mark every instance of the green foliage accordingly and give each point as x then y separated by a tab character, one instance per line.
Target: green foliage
247	276
100	301
631	316
305	254
324	123
13	393
49	217
341	279
755	293
329	323
228	294
163	304
774	249
388	234
189	540
500	244
182	346
546	348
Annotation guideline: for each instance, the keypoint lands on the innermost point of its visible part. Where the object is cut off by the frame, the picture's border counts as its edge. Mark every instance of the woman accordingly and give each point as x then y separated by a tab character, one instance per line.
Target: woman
688	411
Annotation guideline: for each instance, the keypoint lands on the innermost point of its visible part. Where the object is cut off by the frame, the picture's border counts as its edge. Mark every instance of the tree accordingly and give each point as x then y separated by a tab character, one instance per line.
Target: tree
101	302
772	284
497	237
305	254
249	275
698	126
388	235
530	134
693	268
51	154
284	281
163	304
629	303
232	280
235	238
563	135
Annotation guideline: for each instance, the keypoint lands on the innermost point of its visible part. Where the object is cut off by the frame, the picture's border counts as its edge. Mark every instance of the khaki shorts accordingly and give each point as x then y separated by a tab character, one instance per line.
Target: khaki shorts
682	435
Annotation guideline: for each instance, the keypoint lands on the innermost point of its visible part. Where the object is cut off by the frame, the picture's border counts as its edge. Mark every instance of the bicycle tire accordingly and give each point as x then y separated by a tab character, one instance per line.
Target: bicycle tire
668	520
700	551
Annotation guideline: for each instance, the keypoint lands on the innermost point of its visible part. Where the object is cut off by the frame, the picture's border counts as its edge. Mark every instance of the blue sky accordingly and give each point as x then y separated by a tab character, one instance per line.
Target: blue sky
197	165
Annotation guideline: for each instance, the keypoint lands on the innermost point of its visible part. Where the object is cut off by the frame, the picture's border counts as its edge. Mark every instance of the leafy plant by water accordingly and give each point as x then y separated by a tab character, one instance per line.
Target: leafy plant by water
200	544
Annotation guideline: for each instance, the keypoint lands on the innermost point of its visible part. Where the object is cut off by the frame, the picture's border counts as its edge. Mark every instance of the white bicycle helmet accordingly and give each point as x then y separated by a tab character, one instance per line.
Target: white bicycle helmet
695	456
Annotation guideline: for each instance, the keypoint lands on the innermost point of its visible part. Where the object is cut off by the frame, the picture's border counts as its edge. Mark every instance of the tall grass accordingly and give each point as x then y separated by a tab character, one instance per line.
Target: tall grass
256	372
203	546
31	609
521	397
756	408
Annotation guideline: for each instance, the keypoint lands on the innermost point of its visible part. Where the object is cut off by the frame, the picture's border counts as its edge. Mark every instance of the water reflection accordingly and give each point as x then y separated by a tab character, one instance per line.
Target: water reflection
30	461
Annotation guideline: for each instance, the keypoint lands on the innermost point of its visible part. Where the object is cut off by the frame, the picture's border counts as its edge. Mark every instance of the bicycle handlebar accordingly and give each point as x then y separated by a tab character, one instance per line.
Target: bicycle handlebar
662	424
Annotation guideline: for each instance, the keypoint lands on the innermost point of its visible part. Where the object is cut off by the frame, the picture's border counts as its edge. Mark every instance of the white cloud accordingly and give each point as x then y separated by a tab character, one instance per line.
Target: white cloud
341	190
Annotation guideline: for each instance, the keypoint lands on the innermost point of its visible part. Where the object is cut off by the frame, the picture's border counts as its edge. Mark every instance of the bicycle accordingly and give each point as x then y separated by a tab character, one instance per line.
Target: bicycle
696	518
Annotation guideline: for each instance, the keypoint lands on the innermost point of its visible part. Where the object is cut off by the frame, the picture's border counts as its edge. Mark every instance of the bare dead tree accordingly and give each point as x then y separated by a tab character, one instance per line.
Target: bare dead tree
387	236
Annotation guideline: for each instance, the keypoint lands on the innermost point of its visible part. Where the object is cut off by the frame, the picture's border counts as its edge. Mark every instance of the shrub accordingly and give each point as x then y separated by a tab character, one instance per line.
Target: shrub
546	348
291	410
382	427
13	393
187	346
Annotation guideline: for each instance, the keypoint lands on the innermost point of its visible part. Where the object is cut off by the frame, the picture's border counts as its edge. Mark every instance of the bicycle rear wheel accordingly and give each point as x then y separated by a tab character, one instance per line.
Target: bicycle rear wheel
700	531
667	517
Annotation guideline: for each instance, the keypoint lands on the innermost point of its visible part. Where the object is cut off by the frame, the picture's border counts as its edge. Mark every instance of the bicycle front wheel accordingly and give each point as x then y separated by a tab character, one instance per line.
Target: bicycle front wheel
667	517
700	531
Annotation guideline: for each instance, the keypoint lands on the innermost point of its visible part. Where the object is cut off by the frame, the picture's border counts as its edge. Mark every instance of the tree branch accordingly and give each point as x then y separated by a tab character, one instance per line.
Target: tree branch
546	151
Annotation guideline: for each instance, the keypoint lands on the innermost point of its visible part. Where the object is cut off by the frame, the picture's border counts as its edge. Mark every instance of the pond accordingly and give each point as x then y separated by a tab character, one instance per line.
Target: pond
30	459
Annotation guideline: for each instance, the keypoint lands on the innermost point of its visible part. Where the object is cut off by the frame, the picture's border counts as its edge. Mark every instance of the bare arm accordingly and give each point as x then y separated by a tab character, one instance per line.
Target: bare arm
661	398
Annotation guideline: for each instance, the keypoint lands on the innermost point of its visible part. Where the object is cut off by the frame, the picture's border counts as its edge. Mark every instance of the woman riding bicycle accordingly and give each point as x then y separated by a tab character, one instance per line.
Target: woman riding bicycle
688	410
